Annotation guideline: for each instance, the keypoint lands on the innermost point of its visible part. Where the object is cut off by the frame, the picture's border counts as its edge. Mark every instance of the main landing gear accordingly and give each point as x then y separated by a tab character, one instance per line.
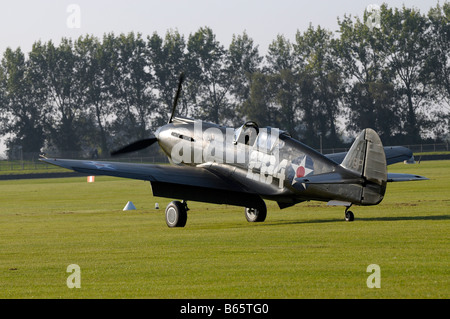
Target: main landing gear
256	215
176	214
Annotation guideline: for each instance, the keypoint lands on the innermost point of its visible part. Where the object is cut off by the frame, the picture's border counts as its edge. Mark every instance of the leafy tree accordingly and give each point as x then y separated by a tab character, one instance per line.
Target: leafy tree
280	55
438	65
369	93
405	50
260	106
92	63
209	79
314	50
130	85
167	58
243	61
89	92
284	84
65	95
21	101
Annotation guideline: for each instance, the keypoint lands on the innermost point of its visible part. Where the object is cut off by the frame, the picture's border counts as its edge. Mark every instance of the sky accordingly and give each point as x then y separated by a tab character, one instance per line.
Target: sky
23	22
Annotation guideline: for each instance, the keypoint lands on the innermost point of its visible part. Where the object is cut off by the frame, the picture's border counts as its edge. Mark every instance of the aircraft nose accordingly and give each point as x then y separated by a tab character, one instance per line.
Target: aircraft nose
163	134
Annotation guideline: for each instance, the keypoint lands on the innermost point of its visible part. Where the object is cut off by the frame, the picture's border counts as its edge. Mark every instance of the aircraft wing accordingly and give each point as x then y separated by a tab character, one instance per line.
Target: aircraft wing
182	182
394	154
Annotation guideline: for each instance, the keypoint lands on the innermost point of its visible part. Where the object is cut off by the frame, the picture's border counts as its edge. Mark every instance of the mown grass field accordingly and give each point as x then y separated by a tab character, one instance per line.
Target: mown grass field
306	251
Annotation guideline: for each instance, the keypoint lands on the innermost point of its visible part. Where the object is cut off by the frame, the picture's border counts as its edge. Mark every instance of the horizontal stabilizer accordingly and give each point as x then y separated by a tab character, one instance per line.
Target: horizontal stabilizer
394	154
396	177
329	178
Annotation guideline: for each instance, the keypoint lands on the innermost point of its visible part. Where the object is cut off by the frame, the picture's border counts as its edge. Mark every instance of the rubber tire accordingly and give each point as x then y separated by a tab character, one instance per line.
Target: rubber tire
255	215
349	216
176	214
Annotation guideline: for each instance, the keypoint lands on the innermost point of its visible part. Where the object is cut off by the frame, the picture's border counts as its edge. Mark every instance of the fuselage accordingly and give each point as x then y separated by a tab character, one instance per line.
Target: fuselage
265	160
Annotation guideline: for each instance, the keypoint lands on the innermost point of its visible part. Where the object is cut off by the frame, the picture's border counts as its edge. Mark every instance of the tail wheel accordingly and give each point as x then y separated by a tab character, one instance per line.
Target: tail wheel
349	216
176	214
255	215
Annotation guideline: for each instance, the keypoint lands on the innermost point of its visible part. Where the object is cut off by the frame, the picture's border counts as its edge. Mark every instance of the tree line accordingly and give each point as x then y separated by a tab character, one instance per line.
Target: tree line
91	93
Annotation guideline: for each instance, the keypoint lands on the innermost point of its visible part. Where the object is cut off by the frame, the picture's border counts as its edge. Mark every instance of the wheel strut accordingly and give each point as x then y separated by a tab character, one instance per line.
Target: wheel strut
184	203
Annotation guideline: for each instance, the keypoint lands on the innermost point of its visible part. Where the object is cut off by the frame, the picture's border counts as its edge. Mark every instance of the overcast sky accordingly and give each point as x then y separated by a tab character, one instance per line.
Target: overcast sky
23	22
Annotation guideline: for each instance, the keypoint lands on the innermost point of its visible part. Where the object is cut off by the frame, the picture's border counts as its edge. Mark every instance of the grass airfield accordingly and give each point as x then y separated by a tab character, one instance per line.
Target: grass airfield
305	251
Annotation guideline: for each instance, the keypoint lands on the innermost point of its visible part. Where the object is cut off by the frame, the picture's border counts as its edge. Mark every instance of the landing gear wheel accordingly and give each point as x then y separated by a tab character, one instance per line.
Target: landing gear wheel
176	214
349	216
255	215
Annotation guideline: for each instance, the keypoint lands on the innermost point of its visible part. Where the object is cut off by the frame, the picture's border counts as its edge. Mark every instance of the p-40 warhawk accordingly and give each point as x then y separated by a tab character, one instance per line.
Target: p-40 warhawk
247	165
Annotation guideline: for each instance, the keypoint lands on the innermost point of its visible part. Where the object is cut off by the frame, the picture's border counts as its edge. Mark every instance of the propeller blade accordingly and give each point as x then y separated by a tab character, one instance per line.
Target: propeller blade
136	146
177	95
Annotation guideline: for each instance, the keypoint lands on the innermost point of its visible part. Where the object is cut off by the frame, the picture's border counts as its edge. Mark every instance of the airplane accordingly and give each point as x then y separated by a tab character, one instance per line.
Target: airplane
248	165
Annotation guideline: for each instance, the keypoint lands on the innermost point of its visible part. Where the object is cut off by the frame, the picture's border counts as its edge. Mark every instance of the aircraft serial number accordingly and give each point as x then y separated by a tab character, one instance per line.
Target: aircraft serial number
264	167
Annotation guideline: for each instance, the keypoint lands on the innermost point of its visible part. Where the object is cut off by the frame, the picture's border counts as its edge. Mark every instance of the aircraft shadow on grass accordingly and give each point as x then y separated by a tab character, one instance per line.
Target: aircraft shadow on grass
404	218
364	219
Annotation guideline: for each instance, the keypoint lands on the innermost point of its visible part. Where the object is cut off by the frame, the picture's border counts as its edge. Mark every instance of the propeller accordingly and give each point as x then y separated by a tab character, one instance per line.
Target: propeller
177	95
135	146
144	143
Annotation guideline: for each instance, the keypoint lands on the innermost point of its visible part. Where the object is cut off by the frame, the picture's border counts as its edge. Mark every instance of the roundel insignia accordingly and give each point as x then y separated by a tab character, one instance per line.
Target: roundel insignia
300	167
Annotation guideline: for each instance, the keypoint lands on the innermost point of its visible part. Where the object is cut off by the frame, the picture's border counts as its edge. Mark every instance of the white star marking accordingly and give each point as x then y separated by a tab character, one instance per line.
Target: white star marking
295	168
101	165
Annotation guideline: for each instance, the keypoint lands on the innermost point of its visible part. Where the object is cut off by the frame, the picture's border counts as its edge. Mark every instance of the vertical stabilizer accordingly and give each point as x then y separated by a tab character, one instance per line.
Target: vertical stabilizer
366	157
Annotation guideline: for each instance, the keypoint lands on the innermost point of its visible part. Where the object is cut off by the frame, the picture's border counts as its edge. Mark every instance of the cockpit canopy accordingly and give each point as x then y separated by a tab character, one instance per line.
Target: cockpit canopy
264	139
247	133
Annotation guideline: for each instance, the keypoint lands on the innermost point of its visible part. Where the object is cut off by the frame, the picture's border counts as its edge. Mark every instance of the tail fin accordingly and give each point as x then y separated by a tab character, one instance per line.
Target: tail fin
367	158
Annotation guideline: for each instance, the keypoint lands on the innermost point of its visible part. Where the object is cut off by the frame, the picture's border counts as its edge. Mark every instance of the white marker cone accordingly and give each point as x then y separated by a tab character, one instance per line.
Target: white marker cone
129	206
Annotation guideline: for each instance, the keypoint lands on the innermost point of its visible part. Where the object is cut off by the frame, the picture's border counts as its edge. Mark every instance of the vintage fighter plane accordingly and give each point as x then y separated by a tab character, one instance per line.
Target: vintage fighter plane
248	165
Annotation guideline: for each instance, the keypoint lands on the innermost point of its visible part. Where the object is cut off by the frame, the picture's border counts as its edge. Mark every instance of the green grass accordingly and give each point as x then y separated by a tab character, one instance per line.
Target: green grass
27	167
306	251
432	153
